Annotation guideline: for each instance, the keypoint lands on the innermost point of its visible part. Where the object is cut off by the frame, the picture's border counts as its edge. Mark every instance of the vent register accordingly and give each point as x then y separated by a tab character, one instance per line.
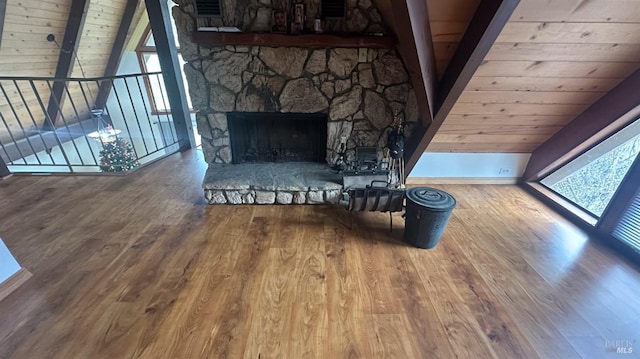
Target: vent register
208	8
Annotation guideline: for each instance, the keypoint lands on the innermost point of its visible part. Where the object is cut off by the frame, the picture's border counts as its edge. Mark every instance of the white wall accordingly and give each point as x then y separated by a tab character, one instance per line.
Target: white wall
8	264
470	165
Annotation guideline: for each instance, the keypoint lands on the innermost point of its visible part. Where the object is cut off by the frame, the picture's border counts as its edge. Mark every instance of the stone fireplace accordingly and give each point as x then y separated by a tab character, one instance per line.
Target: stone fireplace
360	92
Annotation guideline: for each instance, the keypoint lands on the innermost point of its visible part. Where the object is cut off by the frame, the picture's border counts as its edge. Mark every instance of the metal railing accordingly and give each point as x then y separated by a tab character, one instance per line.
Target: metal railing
84	125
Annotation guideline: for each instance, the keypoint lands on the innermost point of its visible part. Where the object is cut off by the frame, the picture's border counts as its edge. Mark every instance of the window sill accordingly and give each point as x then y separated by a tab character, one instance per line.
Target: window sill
560	204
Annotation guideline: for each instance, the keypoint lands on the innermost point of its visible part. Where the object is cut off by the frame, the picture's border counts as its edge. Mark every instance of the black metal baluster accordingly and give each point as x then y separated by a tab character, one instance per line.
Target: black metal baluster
147	113
64	122
55	134
124	118
26	135
135	114
6	125
84	132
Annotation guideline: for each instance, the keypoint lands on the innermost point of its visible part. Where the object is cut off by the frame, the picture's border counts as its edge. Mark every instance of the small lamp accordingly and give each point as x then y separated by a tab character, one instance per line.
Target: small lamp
105	133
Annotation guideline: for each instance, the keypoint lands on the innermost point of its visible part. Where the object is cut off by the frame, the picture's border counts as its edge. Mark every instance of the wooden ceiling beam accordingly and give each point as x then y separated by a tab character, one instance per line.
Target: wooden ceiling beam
69	48
415	45
488	21
116	52
611	112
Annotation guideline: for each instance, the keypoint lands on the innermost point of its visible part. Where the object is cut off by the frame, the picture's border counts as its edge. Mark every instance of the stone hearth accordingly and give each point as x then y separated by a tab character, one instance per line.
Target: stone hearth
265	183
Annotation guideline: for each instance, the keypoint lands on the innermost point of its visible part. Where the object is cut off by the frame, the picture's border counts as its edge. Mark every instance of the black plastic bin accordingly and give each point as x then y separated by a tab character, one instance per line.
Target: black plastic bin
428	211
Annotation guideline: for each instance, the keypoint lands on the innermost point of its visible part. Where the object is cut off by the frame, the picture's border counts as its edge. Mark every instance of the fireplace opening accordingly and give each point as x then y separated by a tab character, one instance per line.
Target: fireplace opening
277	137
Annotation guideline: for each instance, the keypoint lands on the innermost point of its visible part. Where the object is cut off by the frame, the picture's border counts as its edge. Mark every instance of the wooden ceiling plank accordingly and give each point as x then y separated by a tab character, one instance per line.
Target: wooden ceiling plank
491	138
489	19
534	84
614	110
497	129
571	33
416	47
496	120
555	69
116	52
482	147
530	97
603	11
517	109
600	52
28	12
72	35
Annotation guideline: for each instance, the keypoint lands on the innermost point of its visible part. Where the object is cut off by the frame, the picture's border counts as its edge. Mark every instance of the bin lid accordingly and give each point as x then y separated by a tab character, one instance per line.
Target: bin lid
431	198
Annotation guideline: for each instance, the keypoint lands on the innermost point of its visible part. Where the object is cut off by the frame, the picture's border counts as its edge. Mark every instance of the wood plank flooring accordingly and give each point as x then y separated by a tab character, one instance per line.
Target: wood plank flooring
139	267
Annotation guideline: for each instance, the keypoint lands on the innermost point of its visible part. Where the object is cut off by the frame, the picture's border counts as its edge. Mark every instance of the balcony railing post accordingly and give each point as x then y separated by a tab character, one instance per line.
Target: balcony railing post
160	21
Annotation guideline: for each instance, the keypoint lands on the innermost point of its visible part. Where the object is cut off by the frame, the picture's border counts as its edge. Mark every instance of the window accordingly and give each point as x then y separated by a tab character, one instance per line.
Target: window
605	182
591	179
589	171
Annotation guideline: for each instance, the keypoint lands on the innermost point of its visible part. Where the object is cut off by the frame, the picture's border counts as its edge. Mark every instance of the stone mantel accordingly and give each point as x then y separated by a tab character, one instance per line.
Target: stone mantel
283	40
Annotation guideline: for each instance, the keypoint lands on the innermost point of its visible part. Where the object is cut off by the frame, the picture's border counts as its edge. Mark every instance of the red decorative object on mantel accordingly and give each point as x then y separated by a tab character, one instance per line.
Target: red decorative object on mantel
303	40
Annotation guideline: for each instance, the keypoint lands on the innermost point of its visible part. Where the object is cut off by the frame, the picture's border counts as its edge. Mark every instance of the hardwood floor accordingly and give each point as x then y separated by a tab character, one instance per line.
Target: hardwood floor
139	267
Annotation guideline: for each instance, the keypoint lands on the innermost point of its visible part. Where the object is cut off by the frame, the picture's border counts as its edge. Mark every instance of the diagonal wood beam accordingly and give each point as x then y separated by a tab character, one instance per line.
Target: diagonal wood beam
611	112
160	22
116	52
416	48
72	35
482	32
3	10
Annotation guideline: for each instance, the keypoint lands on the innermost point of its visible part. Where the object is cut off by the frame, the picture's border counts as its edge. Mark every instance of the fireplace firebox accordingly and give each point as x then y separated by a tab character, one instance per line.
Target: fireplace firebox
277	137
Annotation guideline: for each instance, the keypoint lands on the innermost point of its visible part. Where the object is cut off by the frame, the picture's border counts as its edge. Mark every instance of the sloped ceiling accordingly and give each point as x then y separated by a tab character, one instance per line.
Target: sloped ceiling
552	60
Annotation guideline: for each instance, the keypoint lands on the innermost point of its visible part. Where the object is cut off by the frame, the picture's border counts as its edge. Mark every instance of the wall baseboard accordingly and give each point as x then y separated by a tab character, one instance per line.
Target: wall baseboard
14	282
462	180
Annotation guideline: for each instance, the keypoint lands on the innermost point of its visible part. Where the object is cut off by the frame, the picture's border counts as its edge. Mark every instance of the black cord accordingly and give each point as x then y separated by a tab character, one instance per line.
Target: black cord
52	38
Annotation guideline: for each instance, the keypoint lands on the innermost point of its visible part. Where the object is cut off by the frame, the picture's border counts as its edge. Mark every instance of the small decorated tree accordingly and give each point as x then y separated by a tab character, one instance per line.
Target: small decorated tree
118	156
